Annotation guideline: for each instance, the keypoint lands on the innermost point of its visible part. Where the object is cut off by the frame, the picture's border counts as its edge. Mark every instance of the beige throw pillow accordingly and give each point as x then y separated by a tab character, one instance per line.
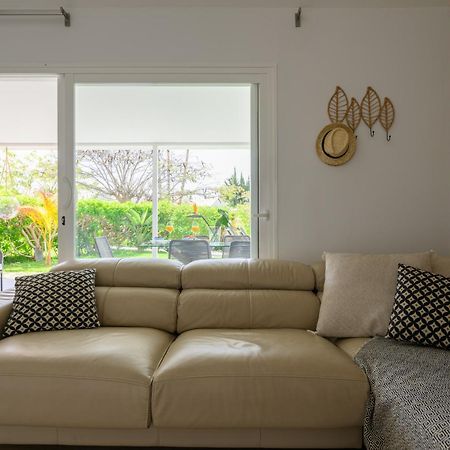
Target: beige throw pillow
359	292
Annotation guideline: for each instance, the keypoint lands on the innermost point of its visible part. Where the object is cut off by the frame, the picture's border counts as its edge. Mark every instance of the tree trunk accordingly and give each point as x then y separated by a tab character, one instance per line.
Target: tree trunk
169	194
183	179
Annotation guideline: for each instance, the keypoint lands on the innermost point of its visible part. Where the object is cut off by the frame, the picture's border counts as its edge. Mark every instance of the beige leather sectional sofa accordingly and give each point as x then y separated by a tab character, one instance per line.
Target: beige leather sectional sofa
215	353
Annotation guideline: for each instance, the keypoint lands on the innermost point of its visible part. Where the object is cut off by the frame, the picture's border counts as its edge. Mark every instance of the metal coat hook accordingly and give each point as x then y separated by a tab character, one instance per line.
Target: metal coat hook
372	133
298	17
388	136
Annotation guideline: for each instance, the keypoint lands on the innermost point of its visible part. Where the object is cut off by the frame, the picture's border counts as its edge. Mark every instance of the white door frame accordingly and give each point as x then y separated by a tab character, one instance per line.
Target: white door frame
264	77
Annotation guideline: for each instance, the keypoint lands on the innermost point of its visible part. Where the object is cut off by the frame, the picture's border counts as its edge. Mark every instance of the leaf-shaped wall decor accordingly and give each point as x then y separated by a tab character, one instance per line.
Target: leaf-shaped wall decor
338	105
387	116
353	117
370	108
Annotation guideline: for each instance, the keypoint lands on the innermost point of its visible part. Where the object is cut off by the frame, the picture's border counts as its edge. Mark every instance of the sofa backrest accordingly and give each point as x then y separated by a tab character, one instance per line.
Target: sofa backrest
134	292
247	293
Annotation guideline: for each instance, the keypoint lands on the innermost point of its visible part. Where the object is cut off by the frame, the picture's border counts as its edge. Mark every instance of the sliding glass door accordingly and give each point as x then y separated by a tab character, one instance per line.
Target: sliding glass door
165	170
132	163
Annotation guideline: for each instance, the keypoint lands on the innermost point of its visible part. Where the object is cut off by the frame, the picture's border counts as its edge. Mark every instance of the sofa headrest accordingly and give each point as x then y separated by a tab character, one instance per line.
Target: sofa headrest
130	272
247	274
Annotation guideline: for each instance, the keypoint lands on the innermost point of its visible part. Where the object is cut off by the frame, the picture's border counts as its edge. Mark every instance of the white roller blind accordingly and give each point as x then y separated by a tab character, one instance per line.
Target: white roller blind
28	110
157	113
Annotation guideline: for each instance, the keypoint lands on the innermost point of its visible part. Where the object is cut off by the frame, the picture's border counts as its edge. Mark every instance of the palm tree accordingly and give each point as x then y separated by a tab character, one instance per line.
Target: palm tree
43	229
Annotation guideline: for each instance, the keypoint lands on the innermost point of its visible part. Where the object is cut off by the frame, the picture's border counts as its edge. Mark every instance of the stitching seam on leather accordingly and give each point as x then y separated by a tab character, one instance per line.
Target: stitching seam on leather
176	312
114	272
104	304
250	298
152	379
262	376
71	377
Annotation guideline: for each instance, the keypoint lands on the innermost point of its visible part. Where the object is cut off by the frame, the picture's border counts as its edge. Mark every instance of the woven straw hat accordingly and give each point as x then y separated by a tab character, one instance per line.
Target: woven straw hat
336	144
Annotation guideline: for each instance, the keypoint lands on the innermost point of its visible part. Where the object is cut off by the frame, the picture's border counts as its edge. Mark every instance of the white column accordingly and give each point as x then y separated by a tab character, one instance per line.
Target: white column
155	198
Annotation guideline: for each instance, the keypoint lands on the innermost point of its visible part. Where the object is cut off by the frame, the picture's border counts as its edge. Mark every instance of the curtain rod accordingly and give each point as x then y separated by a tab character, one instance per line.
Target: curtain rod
38	12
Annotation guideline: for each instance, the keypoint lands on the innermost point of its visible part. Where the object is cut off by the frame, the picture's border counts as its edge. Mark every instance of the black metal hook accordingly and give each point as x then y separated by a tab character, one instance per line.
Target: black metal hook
298	18
372	133
388	136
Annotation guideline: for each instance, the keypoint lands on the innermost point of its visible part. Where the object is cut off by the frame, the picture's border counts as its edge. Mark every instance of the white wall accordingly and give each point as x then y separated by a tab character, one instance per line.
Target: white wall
391	196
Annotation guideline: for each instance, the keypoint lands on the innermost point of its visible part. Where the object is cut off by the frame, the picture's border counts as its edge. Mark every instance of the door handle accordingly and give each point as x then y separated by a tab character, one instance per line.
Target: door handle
68	194
262	215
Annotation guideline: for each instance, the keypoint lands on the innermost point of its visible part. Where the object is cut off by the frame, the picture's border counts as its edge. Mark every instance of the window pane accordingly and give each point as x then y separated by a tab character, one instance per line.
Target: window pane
157	164
28	175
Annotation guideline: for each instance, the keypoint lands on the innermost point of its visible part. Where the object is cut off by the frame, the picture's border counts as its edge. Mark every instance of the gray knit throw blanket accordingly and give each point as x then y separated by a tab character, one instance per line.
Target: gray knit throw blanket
409	400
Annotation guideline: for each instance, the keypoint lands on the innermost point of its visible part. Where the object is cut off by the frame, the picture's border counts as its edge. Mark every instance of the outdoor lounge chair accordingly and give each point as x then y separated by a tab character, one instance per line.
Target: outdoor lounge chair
103	247
229	239
188	250
239	249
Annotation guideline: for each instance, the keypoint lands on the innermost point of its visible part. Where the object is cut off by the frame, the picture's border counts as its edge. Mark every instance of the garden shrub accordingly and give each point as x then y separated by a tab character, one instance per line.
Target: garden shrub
112	219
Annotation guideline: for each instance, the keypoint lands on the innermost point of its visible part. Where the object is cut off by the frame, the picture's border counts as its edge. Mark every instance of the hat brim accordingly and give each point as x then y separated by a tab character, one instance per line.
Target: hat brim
345	155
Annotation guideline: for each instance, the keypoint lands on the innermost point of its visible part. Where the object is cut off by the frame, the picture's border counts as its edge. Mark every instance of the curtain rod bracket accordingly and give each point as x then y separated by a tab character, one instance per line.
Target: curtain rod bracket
38	12
298	17
66	16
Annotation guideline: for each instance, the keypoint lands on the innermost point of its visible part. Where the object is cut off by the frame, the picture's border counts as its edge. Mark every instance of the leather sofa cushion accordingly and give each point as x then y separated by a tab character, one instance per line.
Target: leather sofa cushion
5	311
137	307
220	308
319	274
134	292
126	272
352	346
247	274
257	378
98	378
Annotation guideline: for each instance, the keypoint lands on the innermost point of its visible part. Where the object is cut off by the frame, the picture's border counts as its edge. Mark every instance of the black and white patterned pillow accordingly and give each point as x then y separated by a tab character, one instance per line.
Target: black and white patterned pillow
53	301
421	312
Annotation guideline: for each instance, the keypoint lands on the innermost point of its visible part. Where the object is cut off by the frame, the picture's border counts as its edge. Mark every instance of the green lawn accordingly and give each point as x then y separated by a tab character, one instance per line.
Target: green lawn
25	265
28	265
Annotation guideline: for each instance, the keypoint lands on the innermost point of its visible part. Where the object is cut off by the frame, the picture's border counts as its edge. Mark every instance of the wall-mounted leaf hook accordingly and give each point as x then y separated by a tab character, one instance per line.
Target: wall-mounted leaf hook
353	116
370	108
387	116
338	106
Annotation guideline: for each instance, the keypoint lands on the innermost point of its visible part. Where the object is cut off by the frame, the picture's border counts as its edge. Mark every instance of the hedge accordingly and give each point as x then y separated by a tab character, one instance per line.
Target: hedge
111	219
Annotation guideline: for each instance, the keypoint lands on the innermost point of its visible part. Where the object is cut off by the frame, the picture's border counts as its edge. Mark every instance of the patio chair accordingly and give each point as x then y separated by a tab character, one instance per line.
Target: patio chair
1	270
239	249
188	250
103	247
231	238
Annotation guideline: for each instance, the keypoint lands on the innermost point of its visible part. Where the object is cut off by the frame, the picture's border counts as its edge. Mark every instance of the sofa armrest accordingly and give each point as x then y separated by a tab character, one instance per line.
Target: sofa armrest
5	311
